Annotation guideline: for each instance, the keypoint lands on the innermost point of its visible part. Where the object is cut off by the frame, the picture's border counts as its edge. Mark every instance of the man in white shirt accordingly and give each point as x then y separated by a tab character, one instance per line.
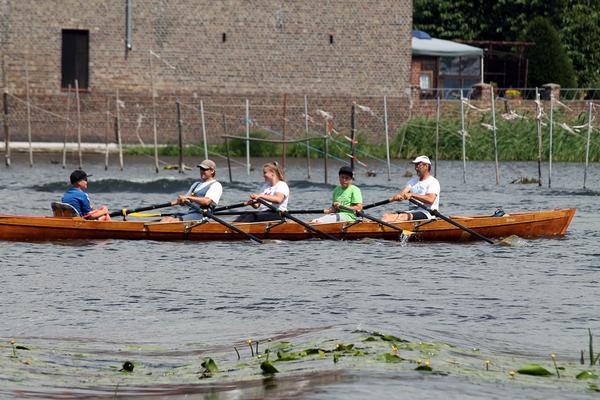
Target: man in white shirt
424	188
205	193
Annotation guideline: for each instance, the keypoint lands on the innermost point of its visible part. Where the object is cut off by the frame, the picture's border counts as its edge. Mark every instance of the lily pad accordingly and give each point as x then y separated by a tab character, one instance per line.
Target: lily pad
593	387
268	368
210	365
287	356
423	368
534	369
586	375
344	347
390	358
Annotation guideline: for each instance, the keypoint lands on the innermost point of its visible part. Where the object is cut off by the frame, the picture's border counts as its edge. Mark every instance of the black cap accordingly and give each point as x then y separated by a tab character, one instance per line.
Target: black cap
78	175
346	170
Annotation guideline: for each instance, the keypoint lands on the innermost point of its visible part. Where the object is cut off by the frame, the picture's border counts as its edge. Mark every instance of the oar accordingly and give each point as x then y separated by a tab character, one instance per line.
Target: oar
298	221
229	207
379	203
208	214
450	221
379	221
321	211
125	211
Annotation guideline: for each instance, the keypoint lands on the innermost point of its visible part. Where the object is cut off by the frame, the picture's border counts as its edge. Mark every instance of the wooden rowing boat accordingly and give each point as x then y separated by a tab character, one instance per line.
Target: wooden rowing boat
550	223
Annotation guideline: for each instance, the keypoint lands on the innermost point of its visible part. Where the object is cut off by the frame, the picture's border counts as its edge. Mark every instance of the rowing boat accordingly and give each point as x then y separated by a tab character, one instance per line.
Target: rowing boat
549	223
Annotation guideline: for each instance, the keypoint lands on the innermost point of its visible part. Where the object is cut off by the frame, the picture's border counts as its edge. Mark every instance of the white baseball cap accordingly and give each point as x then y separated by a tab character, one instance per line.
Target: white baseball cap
421	159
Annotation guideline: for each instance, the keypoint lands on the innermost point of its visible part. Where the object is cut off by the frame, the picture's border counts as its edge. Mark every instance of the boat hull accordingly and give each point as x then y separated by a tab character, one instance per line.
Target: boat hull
550	223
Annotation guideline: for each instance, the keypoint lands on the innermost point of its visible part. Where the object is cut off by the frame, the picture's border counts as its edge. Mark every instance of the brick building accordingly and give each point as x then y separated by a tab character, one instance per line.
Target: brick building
341	47
334	51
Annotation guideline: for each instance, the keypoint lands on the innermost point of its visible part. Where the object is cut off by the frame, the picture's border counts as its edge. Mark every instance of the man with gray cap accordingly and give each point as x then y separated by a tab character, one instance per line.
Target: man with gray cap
424	188
205	193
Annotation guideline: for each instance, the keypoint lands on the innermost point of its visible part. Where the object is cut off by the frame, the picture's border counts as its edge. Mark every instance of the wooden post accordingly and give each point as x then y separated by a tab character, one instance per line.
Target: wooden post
463	135
154	130
550	141
438	107
5	119
118	131
67	127
493	99
106	132
247	137
283	149
387	138
306	134
538	124
352	134
180	137
203	130
325	150
79	153
587	146
228	159
227	147
27	98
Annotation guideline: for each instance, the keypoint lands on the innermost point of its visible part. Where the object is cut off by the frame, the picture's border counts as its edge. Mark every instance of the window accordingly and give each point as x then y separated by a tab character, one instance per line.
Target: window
425	79
75	58
459	73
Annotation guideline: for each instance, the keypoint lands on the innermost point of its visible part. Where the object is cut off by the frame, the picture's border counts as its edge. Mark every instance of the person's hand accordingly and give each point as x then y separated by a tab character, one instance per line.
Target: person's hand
255	196
181	199
336	205
397	197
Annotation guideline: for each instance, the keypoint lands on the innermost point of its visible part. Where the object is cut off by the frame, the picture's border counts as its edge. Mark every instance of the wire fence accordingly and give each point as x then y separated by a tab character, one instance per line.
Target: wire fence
176	117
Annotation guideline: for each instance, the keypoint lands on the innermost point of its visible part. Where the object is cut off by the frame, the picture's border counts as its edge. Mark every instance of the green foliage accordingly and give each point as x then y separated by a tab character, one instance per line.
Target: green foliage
586	375
210	365
548	60
534	369
517	140
482	20
257	149
581	33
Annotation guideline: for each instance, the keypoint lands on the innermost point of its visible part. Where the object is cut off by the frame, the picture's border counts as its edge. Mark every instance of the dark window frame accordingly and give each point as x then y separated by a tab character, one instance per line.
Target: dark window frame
75	59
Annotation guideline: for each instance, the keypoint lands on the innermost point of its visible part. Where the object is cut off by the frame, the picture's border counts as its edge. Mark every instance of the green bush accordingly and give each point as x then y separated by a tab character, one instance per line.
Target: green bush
548	59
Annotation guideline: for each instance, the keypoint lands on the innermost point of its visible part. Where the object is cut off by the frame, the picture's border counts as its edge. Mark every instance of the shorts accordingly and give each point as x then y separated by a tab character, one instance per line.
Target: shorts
337	217
259	216
417	214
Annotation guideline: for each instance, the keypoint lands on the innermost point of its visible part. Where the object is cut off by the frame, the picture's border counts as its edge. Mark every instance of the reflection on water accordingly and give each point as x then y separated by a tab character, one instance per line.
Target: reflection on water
115	295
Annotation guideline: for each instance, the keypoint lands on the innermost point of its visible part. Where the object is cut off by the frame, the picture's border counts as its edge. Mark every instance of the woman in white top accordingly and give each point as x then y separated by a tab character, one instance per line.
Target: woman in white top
275	191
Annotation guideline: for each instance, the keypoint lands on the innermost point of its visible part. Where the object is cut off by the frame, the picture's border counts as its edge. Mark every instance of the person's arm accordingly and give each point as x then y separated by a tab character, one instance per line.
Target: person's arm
401	195
97	213
272	198
202	201
428	198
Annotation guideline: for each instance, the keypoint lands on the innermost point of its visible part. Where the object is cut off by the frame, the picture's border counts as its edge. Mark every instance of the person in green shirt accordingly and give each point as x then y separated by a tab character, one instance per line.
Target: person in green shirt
347	195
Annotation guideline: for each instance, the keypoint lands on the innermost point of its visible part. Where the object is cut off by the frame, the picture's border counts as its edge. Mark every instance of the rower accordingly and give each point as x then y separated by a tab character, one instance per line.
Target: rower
78	198
346	195
424	188
274	191
206	193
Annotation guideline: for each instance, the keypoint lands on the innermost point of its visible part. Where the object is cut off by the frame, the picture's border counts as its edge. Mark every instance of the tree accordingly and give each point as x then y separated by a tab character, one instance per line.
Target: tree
581	35
548	59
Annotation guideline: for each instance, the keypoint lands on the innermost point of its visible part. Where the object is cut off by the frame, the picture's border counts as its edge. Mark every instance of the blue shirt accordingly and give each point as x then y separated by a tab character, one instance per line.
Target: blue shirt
79	200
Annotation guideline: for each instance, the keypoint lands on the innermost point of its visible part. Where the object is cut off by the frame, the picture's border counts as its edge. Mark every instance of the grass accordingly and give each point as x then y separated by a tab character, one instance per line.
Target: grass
516	139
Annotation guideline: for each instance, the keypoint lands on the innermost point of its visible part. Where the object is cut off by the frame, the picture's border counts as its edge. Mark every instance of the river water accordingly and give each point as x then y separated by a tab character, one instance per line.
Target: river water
175	301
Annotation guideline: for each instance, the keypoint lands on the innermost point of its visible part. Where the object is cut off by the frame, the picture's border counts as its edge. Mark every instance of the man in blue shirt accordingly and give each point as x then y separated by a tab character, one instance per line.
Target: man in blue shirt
77	197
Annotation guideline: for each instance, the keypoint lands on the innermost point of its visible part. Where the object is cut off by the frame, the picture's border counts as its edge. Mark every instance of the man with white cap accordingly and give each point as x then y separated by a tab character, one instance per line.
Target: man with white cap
205	193
424	188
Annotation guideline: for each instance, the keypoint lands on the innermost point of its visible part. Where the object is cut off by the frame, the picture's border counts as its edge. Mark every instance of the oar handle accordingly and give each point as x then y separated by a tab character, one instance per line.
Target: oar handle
125	211
450	221
296	220
379	203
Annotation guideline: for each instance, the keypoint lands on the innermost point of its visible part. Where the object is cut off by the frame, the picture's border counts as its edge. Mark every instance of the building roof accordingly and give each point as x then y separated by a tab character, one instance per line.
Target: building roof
425	45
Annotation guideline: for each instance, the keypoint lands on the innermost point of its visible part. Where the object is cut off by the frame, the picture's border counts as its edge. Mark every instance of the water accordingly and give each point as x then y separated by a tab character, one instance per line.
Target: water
165	304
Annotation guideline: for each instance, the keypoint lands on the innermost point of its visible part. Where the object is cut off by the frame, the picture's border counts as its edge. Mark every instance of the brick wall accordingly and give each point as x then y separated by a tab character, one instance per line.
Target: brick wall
272	46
